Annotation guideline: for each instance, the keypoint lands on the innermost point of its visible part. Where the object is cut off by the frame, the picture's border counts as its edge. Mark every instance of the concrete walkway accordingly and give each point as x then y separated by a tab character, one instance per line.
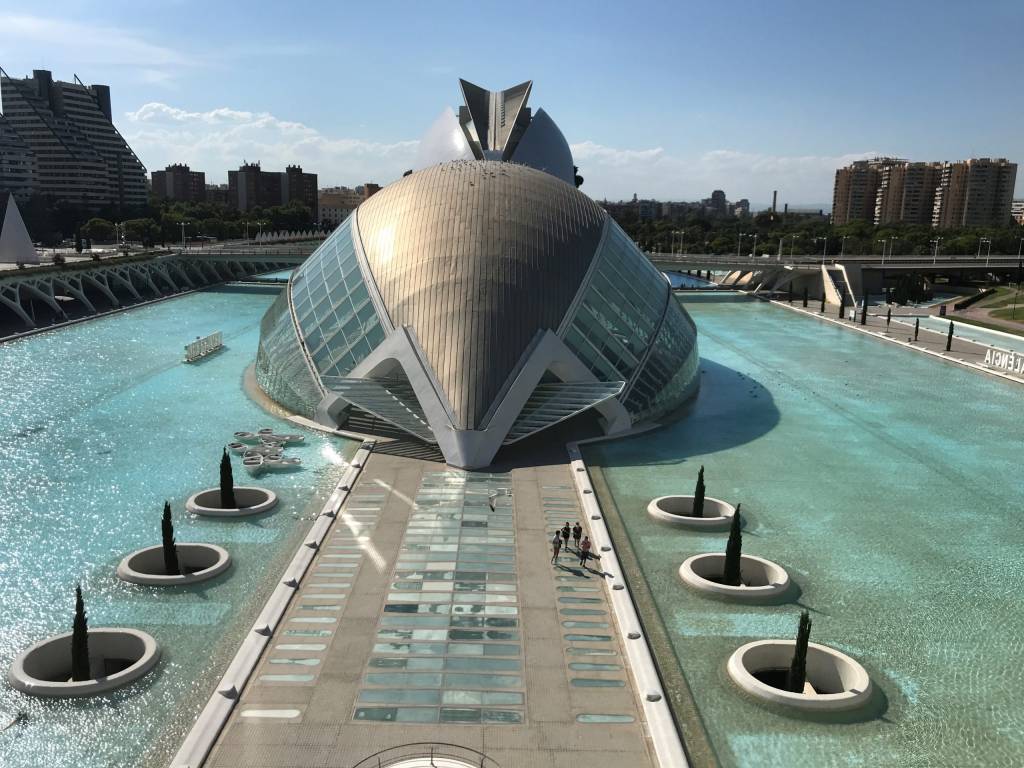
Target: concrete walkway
434	614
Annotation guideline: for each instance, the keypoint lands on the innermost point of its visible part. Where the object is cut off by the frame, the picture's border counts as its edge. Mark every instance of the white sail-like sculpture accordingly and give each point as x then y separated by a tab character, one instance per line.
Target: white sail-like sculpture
15	244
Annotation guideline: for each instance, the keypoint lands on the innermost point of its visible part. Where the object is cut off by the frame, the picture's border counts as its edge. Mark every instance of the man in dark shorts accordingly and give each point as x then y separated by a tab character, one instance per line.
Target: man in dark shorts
584	551
566	533
577	532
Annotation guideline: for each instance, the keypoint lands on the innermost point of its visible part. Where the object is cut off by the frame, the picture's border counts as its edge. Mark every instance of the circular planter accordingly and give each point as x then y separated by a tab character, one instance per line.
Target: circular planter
762	579
838	682
676	510
117	656
198	561
251	501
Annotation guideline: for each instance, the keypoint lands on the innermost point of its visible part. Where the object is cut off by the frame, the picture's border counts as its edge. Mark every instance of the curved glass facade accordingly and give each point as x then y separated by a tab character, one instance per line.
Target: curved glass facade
669	375
281	368
626	310
620	311
332	306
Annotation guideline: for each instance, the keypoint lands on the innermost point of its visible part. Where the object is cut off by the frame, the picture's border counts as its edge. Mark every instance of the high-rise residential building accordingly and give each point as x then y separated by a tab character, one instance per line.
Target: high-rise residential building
80	156
971	193
370	189
906	192
179	182
856	190
17	163
250	186
974	193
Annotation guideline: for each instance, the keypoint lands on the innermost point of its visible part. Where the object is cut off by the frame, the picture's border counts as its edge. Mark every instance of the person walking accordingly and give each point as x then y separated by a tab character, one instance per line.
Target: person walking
556	546
584	551
566	533
577	532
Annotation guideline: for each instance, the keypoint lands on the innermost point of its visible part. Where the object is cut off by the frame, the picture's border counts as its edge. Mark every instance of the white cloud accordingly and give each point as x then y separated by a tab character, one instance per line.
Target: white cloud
618	173
23	36
220	139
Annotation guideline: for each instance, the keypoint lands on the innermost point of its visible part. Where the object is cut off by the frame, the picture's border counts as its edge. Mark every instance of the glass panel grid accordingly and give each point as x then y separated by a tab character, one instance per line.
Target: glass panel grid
447	647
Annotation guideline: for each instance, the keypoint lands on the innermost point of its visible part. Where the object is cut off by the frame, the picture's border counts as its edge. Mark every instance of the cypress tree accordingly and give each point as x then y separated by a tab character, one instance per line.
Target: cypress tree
805	297
227	483
78	241
798	668
790	292
864	311
917	327
842	302
823	299
888	317
171	566
698	495
949	337
80	641
733	548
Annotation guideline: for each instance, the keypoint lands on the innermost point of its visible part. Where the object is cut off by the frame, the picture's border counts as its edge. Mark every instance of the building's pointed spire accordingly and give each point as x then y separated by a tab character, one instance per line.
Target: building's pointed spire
490	117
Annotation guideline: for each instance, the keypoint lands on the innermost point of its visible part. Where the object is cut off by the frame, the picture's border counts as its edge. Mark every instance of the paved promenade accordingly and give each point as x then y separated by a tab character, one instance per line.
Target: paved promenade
432	613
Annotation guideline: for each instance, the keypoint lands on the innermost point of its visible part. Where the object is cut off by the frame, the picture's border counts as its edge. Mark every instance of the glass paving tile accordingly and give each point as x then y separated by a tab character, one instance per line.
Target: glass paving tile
586	666
588	638
401	696
480	664
309	632
587	682
579	651
286	678
595	718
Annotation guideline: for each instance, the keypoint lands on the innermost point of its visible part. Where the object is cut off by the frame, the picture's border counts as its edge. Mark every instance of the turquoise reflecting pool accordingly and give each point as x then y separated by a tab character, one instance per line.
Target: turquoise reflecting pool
99	423
889	484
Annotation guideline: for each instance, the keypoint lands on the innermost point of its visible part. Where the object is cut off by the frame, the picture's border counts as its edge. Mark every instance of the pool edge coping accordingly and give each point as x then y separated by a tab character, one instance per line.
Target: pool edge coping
662	727
202	736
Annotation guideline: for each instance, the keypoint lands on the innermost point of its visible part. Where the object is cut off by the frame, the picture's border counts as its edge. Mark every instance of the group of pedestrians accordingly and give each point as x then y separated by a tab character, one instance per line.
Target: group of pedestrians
561	539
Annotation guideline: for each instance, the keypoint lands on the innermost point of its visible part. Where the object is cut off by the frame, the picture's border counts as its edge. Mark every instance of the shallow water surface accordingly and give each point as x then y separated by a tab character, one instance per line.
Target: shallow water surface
101	422
889	484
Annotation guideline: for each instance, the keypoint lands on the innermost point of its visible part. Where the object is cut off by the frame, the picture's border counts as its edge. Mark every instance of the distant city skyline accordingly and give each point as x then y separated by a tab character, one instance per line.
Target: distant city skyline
670	104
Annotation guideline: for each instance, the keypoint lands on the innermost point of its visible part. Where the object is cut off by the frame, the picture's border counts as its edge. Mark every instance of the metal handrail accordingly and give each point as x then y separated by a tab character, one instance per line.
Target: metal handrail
426	749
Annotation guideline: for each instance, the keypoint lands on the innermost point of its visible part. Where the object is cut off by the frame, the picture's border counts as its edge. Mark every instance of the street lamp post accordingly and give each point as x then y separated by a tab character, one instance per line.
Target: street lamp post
987	240
842	247
935	254
792	245
183	224
883	249
739	242
755	245
824	249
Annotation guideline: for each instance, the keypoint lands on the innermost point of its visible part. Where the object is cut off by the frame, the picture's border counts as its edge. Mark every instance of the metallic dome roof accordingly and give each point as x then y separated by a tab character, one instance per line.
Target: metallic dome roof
478	256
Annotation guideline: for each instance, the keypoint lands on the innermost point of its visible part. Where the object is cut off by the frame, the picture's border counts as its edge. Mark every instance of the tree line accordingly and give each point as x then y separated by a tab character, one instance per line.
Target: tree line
160	222
800	234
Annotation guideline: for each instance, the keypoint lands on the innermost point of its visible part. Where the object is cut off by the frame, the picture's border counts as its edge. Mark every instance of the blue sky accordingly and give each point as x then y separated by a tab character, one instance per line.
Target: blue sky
667	100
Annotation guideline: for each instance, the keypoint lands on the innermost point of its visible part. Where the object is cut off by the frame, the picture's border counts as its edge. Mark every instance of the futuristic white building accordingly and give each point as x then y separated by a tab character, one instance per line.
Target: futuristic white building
475	303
